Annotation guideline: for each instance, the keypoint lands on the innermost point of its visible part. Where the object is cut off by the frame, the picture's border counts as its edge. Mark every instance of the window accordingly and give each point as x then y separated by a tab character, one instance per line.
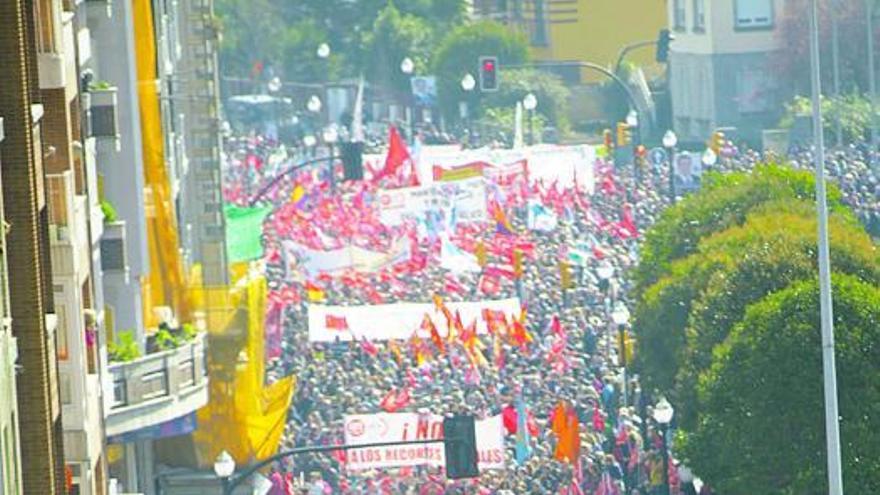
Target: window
753	14
700	16
754	91
678	15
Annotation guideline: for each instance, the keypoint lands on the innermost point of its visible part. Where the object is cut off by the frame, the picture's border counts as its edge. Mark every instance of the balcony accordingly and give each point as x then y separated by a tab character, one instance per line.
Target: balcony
68	227
157	387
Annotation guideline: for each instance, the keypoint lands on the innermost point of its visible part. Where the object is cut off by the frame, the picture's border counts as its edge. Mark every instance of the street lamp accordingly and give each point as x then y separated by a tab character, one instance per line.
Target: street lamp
331	135
468	83
274	84
669	142
323	50
530	103
709	158
224	466
407	66
620	317
314	104
309	141
663	413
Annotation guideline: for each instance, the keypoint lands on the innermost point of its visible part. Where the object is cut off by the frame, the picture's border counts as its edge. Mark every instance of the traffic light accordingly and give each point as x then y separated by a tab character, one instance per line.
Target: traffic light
460	446
565	275
517	263
716	142
625	348
488	74
608	138
624	134
480	253
663	40
352	160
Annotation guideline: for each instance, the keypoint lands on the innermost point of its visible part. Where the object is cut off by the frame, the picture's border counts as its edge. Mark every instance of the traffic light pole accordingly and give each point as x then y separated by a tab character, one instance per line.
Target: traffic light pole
263	190
236	479
587	65
628	48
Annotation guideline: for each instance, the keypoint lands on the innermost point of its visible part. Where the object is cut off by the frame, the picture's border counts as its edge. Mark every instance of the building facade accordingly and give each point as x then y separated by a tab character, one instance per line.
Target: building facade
580	30
158	162
10	467
720	66
30	39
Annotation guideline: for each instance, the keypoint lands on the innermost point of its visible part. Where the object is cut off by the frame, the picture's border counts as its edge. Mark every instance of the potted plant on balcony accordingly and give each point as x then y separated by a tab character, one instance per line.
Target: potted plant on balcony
125	348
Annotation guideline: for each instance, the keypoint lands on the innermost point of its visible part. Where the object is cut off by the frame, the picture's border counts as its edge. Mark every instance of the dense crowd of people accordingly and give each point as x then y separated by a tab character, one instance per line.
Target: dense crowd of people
621	446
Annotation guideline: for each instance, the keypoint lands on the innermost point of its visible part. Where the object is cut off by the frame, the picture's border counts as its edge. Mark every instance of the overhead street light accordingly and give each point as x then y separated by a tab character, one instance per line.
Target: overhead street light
407	66
323	50
669	142
468	83
663	413
314	104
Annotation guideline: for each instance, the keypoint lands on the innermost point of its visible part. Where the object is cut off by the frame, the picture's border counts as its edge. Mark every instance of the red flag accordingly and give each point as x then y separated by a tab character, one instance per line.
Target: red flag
335	322
397	154
394	400
428	325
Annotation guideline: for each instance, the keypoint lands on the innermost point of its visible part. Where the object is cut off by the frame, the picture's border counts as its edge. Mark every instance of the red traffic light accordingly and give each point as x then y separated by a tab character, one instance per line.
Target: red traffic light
488	65
488	74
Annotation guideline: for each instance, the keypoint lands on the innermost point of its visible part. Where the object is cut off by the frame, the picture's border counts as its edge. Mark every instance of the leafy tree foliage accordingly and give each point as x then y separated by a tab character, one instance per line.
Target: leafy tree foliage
686	313
762	423
458	54
724	201
551	93
793	61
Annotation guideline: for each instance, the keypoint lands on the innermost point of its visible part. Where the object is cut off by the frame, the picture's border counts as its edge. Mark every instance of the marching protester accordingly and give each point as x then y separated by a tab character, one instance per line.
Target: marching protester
572	421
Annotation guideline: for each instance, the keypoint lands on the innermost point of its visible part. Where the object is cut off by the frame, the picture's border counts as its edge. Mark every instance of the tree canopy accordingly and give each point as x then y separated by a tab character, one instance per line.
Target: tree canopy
762	417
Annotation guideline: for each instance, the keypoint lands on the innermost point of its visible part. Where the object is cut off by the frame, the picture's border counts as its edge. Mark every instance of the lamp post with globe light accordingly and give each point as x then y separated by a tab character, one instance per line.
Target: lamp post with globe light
323	51
709	158
620	317
407	67
224	467
530	103
663	413
468	83
331	136
670	140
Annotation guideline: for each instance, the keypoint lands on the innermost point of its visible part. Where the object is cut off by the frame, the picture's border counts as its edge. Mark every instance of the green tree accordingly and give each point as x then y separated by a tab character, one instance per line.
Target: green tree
551	93
762	426
852	111
724	201
396	36
458	54
686	313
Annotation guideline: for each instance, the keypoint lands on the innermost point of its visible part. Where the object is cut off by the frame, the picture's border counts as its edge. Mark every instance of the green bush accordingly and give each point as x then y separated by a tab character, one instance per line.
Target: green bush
761	427
125	348
724	201
685	314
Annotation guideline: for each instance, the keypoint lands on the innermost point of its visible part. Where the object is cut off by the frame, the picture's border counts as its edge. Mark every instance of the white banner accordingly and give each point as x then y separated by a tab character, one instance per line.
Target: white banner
315	261
363	429
468	197
396	321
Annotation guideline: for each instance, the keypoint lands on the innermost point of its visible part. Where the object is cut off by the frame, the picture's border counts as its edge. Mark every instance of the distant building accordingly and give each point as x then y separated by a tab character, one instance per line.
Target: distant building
721	66
580	30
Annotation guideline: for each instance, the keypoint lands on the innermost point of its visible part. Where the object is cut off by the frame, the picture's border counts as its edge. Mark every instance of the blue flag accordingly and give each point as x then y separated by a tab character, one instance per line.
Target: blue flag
523	440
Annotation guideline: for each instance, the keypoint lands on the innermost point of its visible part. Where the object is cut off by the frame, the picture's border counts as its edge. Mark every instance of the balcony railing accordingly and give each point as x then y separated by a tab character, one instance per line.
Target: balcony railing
157	387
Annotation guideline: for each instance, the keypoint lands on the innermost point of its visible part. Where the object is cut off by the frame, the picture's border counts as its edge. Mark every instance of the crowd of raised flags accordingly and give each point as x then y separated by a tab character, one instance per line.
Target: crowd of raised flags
549	368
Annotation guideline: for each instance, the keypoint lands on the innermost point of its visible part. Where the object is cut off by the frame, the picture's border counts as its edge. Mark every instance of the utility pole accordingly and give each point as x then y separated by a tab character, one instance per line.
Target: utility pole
832	427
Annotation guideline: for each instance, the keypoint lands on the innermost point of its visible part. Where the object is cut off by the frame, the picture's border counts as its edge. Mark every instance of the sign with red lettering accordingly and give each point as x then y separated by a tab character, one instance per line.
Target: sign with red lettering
363	429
